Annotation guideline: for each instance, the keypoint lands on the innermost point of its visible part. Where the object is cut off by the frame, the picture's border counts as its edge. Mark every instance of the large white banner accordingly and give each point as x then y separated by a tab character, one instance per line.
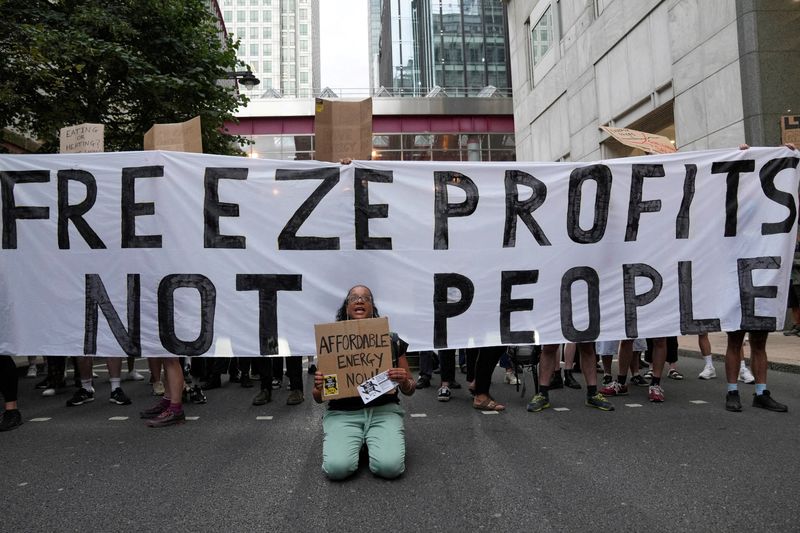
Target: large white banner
158	253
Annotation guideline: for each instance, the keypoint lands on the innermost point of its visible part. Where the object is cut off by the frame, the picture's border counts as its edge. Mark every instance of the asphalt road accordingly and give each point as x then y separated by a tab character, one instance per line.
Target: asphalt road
678	466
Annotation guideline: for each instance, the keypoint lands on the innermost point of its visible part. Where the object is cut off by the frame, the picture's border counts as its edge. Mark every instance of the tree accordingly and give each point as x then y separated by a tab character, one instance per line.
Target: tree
124	63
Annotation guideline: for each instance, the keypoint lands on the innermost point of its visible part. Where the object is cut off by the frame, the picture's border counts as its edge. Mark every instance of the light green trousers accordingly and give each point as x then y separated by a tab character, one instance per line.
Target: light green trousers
346	431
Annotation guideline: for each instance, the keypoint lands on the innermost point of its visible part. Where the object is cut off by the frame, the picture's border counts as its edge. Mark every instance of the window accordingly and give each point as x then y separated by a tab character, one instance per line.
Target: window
241	16
542	36
266	32
254	50
267	16
268	49
303	29
268	67
303	45
254	32
254	16
304	77
303	61
227	15
303	13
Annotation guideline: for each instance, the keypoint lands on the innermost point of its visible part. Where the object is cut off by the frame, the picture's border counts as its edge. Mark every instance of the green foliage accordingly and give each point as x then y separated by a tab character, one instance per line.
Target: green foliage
127	64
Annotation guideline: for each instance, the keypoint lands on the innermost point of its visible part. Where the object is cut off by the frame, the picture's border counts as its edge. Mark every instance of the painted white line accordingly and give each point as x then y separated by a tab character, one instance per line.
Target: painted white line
22	484
192	417
42	419
418	415
698	402
633	405
491	412
263	418
560	409
115	418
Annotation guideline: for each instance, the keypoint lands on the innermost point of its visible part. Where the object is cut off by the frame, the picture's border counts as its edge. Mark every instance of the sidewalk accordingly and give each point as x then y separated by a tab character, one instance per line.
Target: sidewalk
783	351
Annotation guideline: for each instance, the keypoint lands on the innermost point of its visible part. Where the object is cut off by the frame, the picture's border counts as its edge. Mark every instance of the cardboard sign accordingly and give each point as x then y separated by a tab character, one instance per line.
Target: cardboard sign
790	129
351	352
647	142
177	137
82	138
343	129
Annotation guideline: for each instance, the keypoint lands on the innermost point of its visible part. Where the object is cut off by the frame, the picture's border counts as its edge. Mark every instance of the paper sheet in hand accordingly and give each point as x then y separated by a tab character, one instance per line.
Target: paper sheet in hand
376	386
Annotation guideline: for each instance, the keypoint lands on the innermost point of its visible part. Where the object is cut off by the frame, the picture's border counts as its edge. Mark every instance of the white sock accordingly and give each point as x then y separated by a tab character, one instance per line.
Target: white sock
87	384
707	359
114	383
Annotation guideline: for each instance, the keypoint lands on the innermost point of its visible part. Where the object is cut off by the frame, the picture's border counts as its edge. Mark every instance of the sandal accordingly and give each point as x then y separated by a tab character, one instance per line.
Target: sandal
674	374
488	405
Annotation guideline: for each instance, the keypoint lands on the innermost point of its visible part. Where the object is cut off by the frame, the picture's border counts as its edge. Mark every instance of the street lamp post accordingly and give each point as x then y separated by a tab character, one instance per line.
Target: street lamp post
245	77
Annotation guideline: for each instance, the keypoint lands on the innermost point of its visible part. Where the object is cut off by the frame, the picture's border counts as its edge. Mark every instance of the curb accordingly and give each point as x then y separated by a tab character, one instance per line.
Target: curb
792	368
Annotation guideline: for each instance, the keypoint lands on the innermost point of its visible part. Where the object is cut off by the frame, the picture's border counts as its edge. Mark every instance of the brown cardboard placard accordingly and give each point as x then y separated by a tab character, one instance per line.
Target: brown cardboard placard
81	138
342	129
647	142
350	352
176	137
790	129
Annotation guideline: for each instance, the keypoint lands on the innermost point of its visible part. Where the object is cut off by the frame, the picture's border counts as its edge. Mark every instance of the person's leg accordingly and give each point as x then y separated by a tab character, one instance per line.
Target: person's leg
386	441
85	392
733	354
447	365
263	365
9	387
758	362
568	350
343	435
277	372
425	369
118	396
548	360
472	360
619	386
656	392
484	368
173	413
294	370
156	379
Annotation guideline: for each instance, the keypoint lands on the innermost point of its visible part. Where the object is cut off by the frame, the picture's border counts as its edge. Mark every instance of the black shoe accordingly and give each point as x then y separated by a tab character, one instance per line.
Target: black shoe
247	383
80	397
235	377
119	397
423	382
570	381
295	397
557	382
454	385
312	369
196	395
607	379
44	384
732	401
264	396
214	382
11	419
765	401
643	363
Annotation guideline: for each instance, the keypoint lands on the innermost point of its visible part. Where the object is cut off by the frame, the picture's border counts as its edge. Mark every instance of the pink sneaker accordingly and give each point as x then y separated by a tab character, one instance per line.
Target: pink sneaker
614	389
656	393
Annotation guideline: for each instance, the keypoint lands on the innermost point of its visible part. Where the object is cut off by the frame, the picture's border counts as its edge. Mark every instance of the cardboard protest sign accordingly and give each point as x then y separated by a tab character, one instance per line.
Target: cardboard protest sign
342	129
350	352
82	138
790	129
176	137
647	142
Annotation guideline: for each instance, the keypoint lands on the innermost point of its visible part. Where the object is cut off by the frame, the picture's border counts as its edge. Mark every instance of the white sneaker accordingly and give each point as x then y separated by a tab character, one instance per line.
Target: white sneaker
133	375
50	391
708	373
511	379
745	376
31	371
158	389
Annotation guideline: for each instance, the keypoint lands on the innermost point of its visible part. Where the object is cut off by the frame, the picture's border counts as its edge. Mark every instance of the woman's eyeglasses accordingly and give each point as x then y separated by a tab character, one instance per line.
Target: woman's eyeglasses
355	298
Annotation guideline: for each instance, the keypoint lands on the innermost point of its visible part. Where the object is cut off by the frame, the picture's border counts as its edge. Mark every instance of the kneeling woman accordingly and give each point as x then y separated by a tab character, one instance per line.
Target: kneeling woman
349	423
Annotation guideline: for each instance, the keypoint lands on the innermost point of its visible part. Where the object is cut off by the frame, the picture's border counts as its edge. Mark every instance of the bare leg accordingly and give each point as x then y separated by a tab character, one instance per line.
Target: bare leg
733	355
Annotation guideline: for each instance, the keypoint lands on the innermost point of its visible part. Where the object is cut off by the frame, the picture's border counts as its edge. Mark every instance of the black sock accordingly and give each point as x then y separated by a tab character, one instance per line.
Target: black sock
591	390
622	379
655	381
544	390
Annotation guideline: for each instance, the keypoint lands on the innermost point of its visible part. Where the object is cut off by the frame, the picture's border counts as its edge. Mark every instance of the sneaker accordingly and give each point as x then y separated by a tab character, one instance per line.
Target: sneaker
423	382
570	381
598	401
196	395
133	375
708	373
732	401
158	388
295	397
52	390
656	393
276	383
168	417
444	395
674	374
614	389
11	419
648	374
765	401
607	379
80	397
264	396
639	381
794	331
539	402
31	371
557	382
745	376
511	379
119	397
154	411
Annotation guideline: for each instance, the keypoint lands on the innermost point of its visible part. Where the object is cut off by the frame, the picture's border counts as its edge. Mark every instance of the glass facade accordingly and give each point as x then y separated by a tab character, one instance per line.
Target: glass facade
397	147
459	45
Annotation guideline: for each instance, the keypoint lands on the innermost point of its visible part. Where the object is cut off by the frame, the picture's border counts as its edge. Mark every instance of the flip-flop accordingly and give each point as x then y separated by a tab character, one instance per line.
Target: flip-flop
488	405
